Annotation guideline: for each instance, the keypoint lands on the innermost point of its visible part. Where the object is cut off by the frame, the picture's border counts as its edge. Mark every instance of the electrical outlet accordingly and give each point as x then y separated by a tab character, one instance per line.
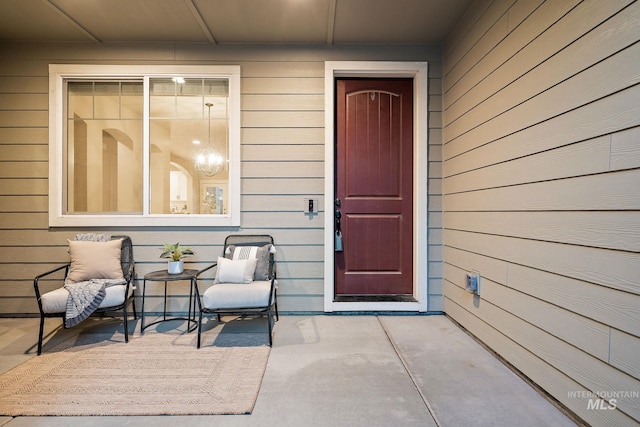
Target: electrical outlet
473	283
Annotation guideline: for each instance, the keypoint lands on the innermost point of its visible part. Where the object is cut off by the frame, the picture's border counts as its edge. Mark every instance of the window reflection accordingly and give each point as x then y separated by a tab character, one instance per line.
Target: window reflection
104	147
179	118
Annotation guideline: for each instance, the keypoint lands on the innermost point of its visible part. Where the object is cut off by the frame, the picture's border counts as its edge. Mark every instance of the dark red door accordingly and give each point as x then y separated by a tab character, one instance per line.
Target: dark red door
374	187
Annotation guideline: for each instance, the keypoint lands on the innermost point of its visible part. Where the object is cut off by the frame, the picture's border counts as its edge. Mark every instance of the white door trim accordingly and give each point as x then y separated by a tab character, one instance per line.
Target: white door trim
419	72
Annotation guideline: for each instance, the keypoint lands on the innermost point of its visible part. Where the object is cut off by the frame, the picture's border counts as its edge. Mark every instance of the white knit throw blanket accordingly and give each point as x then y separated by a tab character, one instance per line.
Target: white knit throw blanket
84	298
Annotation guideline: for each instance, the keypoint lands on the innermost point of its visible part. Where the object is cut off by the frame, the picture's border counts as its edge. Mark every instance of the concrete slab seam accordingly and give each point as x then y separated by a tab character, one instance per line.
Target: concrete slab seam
406	368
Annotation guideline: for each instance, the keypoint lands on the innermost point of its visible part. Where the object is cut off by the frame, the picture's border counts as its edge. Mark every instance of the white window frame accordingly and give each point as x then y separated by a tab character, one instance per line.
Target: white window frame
58	73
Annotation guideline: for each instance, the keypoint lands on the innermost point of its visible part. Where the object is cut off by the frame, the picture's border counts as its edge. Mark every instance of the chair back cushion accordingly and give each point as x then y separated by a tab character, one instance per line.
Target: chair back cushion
95	260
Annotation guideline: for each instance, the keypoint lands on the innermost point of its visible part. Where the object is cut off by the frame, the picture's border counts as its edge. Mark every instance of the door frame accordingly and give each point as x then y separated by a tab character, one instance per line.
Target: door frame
381	69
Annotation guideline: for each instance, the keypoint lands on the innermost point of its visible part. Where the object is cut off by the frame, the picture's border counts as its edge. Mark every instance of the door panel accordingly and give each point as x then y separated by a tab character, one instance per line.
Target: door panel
374	183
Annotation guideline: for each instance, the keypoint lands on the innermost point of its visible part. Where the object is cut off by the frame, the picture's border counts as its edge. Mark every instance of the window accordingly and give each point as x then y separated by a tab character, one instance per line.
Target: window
144	145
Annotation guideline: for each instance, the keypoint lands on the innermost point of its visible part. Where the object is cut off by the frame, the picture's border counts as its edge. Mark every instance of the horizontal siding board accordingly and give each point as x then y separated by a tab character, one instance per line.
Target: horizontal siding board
282	69
270	119
282	219
280	204
619	309
308	186
625	349
587	335
589	157
12	187
287	236
22	153
275	152
613	269
24	204
30	67
16	135
625	149
270	102
282	86
24	170
613	230
43	254
23	220
614	191
300	286
24	84
282	169
596	119
24	118
251	136
311	304
24	101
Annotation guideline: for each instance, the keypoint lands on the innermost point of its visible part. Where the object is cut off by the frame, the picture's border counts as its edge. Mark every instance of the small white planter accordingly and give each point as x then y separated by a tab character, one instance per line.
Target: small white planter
176	267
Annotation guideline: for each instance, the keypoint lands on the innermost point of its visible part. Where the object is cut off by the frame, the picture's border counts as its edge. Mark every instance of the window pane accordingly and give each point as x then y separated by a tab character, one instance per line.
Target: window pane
131	101
103	148
106	100
182	126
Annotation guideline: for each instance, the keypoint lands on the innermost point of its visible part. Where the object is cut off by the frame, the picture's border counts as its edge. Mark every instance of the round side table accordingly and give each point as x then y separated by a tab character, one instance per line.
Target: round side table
164	276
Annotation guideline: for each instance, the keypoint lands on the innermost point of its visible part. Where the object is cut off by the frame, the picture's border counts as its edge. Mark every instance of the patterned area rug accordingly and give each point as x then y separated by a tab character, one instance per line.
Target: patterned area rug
154	374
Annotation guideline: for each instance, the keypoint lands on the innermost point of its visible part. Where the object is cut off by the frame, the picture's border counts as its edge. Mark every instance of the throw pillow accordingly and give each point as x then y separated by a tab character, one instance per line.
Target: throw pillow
235	271
94	260
260	253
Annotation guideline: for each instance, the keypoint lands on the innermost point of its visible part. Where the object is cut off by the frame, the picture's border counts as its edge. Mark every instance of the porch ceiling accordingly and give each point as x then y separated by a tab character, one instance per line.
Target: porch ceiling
318	22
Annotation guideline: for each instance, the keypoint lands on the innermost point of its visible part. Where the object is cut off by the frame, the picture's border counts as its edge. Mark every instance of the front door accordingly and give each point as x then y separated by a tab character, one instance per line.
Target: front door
374	187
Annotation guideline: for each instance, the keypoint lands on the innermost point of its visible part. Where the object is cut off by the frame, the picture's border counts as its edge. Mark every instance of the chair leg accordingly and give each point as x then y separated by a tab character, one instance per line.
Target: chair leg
40	334
269	321
126	323
133	305
199	328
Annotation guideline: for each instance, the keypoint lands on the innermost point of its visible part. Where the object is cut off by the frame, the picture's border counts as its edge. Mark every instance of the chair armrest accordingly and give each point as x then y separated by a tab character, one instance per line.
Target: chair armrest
40	276
206	268
195	282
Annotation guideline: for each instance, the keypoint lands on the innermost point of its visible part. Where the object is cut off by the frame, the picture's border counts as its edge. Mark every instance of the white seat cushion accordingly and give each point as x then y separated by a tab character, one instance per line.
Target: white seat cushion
56	300
233	295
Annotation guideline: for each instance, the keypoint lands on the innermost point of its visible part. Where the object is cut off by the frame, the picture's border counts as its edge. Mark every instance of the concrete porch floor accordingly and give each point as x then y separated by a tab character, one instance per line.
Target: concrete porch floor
346	371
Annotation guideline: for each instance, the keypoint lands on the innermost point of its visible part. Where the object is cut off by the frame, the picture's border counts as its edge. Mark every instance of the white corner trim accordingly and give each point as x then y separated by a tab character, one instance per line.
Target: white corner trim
419	72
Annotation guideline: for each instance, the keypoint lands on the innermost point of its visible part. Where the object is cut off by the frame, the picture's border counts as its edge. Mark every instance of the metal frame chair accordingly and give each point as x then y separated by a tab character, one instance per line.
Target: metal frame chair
128	270
270	309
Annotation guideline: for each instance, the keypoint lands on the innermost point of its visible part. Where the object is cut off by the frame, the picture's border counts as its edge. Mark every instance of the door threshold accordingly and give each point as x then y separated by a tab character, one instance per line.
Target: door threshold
374	298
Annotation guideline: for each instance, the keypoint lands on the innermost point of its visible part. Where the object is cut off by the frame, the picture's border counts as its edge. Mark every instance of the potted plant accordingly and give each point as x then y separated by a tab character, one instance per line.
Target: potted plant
175	253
